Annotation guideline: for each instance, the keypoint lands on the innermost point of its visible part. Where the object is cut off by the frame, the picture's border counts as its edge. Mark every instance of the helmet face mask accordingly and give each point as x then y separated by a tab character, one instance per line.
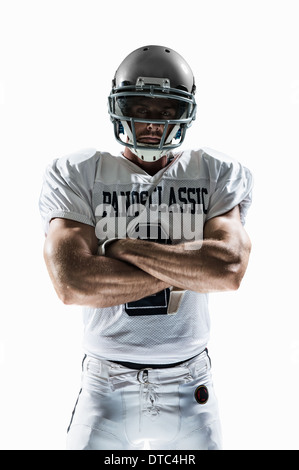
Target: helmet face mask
139	100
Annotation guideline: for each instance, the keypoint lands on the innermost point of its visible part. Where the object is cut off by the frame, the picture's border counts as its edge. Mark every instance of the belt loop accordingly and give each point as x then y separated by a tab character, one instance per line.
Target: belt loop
207	352
83	360
144	376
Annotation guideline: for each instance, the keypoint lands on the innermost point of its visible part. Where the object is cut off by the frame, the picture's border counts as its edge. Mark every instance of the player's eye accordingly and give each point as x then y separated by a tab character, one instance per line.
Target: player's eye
141	111
169	113
166	114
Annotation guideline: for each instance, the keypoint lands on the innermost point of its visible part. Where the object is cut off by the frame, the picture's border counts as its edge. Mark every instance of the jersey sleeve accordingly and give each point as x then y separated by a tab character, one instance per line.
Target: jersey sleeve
232	187
67	189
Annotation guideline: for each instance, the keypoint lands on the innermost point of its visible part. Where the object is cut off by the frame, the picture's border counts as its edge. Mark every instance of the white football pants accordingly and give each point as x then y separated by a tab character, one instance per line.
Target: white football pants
121	408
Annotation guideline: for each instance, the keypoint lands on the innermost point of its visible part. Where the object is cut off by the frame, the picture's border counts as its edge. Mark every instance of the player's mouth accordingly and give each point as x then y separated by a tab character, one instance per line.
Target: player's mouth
149	140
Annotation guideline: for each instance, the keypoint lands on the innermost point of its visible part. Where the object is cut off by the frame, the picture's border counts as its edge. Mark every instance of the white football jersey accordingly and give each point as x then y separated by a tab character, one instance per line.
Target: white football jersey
120	199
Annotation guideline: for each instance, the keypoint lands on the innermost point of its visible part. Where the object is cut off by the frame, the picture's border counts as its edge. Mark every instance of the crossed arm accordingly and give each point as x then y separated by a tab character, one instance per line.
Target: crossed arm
133	269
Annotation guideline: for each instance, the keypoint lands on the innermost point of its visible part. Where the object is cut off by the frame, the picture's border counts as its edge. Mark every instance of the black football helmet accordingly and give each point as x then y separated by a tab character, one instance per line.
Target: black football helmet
151	73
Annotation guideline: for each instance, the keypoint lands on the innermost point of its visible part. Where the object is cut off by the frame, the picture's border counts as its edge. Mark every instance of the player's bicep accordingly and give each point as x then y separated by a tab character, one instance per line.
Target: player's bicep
229	231
69	246
68	236
225	226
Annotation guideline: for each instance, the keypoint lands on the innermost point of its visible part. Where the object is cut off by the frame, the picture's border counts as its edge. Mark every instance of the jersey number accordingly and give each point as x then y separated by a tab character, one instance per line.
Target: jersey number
155	304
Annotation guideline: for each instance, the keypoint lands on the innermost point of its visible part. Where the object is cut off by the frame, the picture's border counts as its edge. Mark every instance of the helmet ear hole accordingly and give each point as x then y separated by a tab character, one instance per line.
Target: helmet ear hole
178	134
121	128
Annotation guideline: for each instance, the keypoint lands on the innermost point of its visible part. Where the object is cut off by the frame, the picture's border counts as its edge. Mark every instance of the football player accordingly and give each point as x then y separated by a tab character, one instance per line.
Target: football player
139	240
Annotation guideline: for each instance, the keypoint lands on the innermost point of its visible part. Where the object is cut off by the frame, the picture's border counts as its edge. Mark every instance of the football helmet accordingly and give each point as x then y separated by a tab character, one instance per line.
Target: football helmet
153	85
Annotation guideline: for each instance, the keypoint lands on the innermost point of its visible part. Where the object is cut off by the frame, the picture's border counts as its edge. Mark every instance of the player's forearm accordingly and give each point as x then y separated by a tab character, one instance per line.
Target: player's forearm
96	281
213	267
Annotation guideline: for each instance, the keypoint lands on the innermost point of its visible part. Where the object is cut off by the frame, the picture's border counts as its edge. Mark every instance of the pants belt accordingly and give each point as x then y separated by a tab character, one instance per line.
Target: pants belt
134	365
119	376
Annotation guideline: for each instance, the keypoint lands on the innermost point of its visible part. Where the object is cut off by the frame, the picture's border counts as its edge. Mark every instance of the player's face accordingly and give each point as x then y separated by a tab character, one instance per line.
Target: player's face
155	109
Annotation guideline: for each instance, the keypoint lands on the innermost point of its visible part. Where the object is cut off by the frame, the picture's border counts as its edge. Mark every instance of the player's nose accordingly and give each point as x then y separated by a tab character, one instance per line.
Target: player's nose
154	126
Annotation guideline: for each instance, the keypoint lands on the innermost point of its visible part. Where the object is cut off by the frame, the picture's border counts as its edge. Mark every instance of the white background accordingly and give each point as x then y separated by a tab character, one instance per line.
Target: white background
57	62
